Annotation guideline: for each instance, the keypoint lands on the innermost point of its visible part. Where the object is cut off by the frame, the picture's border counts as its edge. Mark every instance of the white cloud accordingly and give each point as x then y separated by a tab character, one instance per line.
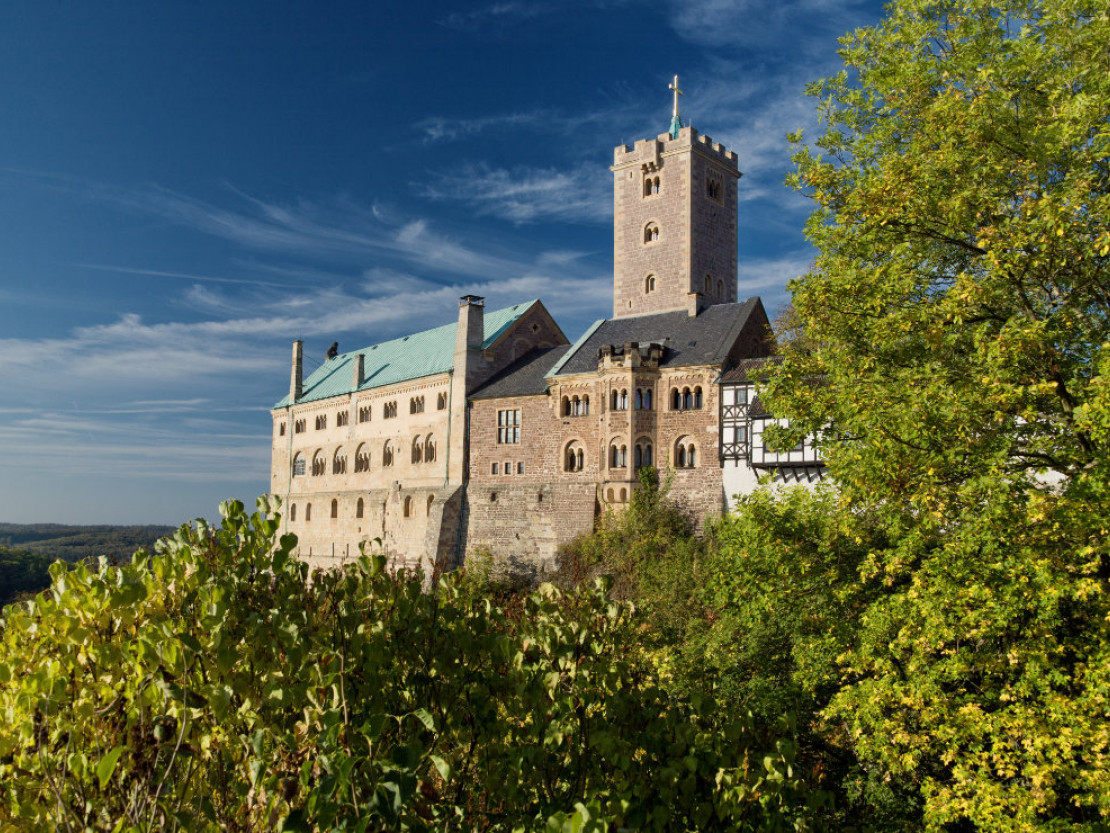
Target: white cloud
527	195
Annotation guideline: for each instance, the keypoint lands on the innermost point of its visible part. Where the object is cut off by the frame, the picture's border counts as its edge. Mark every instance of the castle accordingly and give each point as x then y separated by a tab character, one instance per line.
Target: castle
496	433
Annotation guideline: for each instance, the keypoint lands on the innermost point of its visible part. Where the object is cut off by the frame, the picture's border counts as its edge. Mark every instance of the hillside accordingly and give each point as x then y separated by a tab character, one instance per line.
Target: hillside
73	543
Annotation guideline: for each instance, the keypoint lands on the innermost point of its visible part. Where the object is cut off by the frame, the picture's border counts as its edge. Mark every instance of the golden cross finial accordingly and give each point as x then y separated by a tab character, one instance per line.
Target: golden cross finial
677	93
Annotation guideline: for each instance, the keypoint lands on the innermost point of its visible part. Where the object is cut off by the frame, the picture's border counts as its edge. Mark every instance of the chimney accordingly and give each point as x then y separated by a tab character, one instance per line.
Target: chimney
471	332
693	304
296	379
360	370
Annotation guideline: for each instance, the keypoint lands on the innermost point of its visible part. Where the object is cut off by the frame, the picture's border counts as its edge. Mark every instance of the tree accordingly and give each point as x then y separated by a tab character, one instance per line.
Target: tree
958	316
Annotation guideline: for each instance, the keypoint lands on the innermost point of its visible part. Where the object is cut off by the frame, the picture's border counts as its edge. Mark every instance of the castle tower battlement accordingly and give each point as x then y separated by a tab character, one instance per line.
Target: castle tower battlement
674	224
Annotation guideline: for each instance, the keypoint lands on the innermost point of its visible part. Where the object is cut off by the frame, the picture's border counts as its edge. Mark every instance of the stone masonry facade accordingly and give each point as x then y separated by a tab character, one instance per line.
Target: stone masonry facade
497	435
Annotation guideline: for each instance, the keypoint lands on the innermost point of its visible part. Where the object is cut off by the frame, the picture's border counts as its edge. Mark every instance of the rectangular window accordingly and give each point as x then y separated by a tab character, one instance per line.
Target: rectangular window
520	468
508	427
508	467
493	469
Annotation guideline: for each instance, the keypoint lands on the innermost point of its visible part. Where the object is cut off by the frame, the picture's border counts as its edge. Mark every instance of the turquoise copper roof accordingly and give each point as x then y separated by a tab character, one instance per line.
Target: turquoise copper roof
410	357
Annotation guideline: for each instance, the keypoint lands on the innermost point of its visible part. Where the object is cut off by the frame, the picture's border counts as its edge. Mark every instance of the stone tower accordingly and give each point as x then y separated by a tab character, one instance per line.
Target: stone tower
674	223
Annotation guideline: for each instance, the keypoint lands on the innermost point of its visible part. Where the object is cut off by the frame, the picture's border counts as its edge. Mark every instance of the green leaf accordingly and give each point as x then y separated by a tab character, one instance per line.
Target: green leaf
107	766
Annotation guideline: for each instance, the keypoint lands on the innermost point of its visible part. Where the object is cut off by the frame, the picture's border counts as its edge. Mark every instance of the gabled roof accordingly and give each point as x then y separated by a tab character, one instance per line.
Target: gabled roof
705	339
410	357
750	370
524	377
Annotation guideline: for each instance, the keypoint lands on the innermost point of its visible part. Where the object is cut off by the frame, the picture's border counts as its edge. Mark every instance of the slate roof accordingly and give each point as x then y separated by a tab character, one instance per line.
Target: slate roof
689	341
749	370
524	377
410	357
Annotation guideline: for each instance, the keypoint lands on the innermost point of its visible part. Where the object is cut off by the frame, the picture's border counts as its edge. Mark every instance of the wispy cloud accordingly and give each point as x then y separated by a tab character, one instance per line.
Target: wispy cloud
528	195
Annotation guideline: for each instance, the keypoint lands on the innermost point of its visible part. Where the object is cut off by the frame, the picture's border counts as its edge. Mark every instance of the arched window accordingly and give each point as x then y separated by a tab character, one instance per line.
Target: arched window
687	399
624	399
609	494
417	450
651	233
649	284
339	462
298	426
360	507
586	405
307	512
614	456
708	285
624	495
299	465
655	185
319	464
416	405
639	399
364	413
387	453
648	461
321	422
408	506
575	406
430	449
647	399
441	401
616	401
574	457
334	508
566	406
431	500
281	430
292	512
685	454
720	289
676	400
697	397
362	458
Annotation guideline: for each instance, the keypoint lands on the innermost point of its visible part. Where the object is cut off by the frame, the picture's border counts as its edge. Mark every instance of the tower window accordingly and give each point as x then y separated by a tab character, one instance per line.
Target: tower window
360	507
281	430
651	233
334	508
649	284
651	186
441	402
708	285
713	188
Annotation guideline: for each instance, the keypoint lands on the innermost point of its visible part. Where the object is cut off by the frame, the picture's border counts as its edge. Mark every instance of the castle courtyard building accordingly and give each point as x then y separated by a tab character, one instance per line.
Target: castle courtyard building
497	434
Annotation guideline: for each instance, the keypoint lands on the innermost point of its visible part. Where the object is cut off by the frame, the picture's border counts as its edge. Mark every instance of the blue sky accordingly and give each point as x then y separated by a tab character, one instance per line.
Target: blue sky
187	187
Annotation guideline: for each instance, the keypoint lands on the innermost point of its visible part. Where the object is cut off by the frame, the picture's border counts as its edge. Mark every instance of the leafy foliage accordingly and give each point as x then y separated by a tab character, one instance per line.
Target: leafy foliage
214	686
959	317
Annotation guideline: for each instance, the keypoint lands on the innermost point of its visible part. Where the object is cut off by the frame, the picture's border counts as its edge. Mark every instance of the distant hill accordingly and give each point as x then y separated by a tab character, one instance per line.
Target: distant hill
27	551
73	543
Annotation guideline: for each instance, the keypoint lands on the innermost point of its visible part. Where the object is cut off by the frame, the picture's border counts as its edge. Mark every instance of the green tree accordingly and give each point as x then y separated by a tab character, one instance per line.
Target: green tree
958	318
